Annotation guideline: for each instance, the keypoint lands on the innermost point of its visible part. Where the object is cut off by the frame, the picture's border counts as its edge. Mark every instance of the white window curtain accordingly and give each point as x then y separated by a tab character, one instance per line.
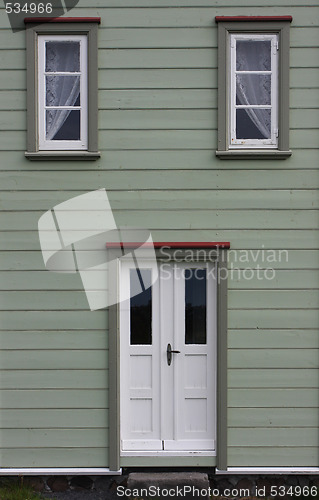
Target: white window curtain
255	89
61	90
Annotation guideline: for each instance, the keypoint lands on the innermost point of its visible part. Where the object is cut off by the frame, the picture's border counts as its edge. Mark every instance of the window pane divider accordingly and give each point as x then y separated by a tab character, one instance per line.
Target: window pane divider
62	107
244	106
253	72
62	73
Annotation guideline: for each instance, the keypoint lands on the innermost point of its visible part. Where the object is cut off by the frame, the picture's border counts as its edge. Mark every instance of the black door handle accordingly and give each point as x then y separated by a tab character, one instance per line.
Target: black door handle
169	352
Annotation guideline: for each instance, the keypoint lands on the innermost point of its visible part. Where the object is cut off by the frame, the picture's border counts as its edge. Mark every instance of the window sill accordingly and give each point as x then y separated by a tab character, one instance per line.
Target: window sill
253	154
62	155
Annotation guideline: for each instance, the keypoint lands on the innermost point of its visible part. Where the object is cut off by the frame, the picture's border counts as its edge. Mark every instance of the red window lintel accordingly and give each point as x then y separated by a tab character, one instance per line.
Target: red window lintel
252	18
62	20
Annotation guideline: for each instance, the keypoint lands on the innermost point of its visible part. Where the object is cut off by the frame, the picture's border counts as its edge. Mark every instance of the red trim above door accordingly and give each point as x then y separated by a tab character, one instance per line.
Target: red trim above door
173	244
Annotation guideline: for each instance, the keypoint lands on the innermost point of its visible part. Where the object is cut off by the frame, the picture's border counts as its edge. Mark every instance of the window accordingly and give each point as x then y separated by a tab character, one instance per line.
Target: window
62	89
253	87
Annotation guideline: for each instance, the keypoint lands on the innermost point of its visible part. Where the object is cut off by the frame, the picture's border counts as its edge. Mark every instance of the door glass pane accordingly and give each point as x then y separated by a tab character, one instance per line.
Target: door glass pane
195	306
62	56
253	123
253	89
253	55
140	306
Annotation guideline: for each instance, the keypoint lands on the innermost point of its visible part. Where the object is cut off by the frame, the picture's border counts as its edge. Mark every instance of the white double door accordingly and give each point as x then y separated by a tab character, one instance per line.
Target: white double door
168	400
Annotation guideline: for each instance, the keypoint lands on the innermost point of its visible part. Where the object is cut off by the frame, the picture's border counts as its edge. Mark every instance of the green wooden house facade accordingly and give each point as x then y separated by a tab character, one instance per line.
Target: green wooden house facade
172	157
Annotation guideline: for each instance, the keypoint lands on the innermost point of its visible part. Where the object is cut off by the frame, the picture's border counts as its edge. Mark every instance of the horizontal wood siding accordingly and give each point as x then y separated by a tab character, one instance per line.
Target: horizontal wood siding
157	134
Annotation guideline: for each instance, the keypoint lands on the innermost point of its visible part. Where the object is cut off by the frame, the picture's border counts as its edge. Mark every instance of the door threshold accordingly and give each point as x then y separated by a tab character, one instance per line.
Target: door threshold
170	453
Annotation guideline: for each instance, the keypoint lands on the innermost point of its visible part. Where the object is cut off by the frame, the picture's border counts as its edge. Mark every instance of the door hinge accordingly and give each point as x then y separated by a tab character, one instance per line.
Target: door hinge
276	132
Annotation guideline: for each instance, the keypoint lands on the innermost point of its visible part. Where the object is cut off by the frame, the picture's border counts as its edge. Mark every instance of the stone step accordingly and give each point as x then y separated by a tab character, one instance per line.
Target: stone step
182	484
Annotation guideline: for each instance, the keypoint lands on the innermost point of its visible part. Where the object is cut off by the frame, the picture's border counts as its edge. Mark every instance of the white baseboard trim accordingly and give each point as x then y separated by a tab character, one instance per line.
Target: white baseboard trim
58	471
269	470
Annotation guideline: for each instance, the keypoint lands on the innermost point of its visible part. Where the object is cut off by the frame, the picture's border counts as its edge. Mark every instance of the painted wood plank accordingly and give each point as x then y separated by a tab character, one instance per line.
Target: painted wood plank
273	417
273	358
277	339
277	259
50	320
54	379
273	437
54	457
158	99
61	300
282	279
40	280
274	318
54	398
169	119
189	98
170	68
152	160
189	17
13	100
48	418
249	299
274	377
159	139
272	299
53	359
136	78
67	339
166	119
159	180
174	199
158	119
165	37
55	438
13	120
243	239
273	457
190	3
182	38
274	398
169	218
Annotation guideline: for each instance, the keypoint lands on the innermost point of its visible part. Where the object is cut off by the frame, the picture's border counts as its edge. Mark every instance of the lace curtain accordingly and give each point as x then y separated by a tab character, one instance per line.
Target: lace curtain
61	90
253	88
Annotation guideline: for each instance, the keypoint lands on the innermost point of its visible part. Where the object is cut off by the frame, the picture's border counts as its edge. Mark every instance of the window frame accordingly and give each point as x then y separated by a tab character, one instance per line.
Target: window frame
250	25
235	143
75	27
82	143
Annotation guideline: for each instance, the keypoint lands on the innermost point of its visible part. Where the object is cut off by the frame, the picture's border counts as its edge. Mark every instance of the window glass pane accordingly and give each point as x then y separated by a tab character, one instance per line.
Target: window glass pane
253	123
195	306
62	56
253	89
253	55
62	90
140	306
63	125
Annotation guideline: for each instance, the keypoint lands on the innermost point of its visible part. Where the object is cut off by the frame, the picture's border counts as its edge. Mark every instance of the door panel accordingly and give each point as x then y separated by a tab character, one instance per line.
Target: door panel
140	380
169	407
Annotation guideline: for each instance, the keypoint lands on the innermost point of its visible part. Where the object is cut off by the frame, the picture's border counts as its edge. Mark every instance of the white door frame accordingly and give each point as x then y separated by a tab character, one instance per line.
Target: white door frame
167	398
